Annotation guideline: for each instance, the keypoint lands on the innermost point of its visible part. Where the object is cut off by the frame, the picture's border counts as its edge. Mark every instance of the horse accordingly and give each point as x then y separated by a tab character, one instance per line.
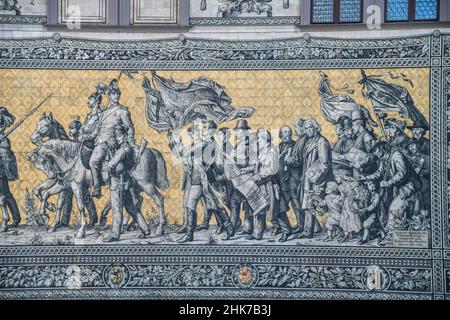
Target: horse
49	128
60	160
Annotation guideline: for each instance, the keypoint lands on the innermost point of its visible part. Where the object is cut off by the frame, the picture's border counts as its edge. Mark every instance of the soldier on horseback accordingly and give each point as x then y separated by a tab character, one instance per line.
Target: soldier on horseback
116	114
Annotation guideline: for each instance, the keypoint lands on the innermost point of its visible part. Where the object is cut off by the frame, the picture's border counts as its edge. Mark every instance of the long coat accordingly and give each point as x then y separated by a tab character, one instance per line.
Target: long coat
296	166
266	169
8	162
317	167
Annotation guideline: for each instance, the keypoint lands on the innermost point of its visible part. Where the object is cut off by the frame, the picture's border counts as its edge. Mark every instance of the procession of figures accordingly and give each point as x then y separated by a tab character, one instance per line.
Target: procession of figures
374	180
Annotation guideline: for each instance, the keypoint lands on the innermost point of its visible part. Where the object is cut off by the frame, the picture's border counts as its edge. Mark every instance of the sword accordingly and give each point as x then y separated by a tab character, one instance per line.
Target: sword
29	114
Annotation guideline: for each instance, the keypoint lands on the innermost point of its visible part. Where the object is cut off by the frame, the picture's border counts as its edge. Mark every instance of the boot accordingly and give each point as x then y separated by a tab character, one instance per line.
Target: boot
235	219
189	235
182	229
276	230
230	231
284	237
299	215
206	220
220	229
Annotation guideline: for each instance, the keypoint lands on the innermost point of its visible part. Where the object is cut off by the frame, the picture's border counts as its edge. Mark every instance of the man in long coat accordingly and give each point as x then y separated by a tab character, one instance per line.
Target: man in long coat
317	171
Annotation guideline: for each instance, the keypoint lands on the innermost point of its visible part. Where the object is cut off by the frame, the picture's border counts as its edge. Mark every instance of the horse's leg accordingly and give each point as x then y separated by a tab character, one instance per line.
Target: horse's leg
92	209
80	198
150	189
56	189
65	195
44	201
46	185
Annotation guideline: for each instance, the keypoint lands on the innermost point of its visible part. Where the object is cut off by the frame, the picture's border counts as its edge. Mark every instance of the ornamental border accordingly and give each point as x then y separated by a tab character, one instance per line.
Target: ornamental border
214	250
246	21
214	294
23	19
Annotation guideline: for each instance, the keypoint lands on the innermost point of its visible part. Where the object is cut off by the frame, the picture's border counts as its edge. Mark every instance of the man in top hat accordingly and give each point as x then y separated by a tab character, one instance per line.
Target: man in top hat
317	171
395	132
419	130
342	146
122	186
115	115
363	139
244	155
295	163
8	172
284	179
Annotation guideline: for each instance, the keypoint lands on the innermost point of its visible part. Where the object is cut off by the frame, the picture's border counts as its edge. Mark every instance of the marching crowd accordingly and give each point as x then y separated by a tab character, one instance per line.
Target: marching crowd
362	186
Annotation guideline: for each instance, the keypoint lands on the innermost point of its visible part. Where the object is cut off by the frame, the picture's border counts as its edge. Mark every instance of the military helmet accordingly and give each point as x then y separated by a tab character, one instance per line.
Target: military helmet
75	124
114	86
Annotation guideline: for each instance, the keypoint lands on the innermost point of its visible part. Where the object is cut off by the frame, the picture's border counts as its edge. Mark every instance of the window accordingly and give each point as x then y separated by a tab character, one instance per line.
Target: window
412	10
124	13
153	11
86	11
336	11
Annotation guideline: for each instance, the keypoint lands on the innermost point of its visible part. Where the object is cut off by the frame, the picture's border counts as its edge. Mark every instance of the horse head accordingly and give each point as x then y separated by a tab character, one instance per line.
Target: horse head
48	127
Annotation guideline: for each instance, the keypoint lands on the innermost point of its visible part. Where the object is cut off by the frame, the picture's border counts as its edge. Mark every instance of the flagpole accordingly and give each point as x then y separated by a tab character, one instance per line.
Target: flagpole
383	132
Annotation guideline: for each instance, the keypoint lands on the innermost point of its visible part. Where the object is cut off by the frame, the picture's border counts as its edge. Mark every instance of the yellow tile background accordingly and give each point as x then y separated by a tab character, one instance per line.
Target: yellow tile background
279	97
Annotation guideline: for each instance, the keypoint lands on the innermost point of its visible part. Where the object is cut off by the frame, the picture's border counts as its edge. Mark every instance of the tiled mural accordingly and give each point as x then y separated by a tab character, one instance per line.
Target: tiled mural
295	167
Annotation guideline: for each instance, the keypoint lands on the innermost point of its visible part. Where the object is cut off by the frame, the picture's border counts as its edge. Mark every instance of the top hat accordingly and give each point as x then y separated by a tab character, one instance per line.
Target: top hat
358	115
400	125
75	124
7	118
419	124
101	88
242	124
114	86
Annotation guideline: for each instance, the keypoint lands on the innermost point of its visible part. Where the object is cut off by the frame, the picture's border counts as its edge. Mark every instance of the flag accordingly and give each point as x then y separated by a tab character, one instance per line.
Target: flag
388	97
333	106
171	105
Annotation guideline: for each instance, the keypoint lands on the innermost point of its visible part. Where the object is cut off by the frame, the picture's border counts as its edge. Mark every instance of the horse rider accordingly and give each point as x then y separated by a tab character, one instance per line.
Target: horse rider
74	129
8	172
122	187
116	114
